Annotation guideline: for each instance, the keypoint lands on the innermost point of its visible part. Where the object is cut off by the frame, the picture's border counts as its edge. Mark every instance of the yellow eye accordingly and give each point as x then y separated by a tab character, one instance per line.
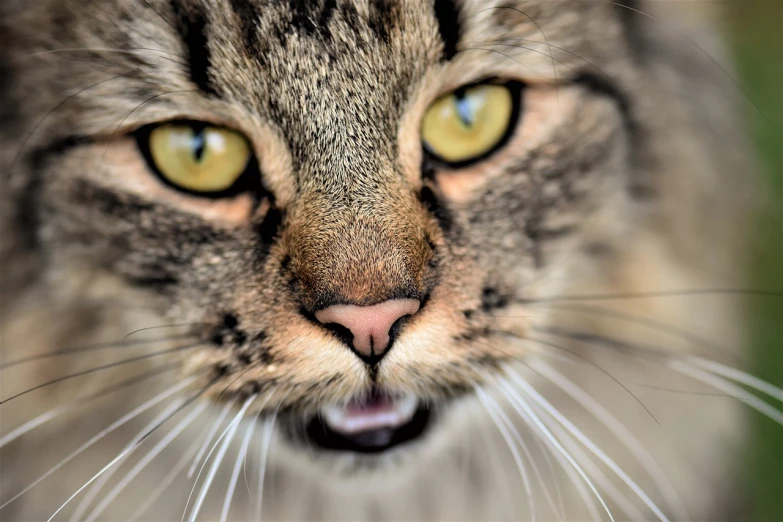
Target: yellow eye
469	123
198	158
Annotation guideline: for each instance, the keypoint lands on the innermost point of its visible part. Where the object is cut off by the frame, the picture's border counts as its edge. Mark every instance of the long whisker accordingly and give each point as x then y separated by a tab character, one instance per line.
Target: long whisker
104	367
623	434
90	348
210	435
527	413
241	454
601	480
492	408
269	426
97	486
531	392
739	376
144	462
650	295
166	482
56	412
119	457
219	459
136	50
719	383
103	433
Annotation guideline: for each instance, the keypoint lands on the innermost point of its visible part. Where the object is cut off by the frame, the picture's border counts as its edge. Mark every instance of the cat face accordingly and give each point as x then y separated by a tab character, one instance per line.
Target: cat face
282	177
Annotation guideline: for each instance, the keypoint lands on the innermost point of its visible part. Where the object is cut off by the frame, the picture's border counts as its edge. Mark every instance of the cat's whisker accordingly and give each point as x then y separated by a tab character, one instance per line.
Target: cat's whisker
56	412
166	482
105	367
269	426
614	425
119	457
146	460
97	486
691	292
739	376
492	408
219	459
241	454
91	348
210	435
589	444
723	385
103	433
525	411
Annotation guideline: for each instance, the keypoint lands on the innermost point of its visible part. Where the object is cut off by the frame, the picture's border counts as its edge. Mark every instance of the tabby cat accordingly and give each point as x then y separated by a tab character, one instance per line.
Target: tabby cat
371	260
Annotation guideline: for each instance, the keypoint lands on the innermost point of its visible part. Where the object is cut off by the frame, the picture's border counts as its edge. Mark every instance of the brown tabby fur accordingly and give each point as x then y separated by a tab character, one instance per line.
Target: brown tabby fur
626	174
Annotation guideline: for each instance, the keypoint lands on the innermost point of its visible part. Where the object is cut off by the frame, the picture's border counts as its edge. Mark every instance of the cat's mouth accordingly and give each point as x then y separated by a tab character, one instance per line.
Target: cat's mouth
369	425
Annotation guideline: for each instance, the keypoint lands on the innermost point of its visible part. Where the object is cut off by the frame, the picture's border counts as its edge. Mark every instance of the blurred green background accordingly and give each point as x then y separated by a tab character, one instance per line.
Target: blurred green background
756	31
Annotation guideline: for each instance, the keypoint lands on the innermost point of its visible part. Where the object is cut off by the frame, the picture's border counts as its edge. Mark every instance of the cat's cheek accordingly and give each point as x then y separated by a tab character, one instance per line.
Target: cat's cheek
121	168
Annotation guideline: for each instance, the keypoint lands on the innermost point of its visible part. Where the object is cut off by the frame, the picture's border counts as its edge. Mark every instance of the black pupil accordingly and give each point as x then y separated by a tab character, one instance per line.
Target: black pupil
199	145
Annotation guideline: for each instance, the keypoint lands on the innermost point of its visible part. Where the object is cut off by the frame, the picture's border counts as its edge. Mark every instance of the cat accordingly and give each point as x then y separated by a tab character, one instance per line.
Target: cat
376	259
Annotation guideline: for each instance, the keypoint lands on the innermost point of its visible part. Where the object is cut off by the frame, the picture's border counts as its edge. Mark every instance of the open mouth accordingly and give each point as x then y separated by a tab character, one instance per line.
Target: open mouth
371	425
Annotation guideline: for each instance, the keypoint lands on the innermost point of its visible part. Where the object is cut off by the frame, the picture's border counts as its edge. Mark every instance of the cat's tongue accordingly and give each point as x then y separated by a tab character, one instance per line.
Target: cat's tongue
376	413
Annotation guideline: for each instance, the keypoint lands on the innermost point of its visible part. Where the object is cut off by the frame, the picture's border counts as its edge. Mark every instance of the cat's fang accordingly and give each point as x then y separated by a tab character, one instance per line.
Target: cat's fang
375	414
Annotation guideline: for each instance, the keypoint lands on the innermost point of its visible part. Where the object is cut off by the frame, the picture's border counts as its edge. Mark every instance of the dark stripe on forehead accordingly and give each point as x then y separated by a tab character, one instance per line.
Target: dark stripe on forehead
311	17
246	16
191	23
447	16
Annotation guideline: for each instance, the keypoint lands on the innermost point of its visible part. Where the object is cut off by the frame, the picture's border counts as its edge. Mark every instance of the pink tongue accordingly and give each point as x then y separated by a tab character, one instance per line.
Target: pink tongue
369	406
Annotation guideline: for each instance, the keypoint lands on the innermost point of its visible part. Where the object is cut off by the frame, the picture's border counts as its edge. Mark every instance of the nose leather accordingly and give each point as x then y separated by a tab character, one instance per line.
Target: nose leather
370	325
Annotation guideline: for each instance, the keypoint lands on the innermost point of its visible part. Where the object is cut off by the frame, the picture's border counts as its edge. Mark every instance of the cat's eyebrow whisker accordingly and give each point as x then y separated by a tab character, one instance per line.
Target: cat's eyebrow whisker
503	427
55	412
124	343
140	441
525	411
595	450
241	454
103	433
624	435
105	367
205	487
149	457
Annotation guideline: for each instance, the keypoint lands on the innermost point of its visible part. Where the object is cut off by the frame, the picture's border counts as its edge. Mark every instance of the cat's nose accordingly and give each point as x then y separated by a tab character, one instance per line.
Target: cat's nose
370	325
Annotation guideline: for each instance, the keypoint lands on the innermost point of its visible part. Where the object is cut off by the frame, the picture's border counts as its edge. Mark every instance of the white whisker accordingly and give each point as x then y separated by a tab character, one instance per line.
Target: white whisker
631	511
269	425
739	376
618	429
219	459
144	462
210	436
241	454
103	433
492	408
166	482
527	413
586	441
719	383
82	507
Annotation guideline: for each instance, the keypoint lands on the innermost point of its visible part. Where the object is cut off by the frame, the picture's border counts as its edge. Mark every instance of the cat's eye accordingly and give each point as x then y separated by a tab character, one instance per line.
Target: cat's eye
470	123
196	157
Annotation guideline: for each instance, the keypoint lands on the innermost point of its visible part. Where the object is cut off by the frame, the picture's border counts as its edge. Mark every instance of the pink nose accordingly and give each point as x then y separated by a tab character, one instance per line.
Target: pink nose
369	325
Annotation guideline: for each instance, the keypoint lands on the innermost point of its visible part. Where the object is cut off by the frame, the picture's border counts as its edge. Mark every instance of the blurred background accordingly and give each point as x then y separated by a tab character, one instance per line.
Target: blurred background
755	28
